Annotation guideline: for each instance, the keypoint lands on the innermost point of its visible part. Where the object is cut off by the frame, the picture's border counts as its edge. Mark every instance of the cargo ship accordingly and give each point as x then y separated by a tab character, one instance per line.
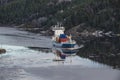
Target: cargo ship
61	40
63	45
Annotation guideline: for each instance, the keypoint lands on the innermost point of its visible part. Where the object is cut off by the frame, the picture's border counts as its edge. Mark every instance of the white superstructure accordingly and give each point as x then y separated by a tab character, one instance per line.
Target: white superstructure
58	30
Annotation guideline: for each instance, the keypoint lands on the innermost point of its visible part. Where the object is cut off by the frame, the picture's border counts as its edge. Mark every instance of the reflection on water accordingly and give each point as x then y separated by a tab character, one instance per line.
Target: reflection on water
104	50
18	56
63	53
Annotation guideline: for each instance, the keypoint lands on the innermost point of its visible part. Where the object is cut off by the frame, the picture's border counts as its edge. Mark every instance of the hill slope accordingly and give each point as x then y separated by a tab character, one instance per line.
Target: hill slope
102	14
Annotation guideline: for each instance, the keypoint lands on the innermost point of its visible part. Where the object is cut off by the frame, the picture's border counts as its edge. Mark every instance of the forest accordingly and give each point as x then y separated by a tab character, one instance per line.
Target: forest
96	14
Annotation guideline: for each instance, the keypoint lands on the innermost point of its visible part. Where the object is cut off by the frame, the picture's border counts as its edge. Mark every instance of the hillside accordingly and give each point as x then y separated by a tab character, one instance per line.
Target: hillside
102	14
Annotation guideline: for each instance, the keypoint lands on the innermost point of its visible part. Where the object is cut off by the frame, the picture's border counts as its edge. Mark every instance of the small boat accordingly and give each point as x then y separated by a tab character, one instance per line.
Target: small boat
64	43
61	40
69	50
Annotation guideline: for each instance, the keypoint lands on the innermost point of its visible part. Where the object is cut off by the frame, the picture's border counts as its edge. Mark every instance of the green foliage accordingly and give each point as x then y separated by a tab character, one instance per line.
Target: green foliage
98	14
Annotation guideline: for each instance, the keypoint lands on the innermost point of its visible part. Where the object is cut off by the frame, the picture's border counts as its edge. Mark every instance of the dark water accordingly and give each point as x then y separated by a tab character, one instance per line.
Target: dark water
104	50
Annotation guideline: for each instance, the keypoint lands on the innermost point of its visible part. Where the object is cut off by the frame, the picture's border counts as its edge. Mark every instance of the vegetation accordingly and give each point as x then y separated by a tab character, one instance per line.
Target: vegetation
98	14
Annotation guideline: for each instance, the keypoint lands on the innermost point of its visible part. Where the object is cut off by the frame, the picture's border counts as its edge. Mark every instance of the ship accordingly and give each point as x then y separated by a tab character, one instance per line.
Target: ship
62	42
60	39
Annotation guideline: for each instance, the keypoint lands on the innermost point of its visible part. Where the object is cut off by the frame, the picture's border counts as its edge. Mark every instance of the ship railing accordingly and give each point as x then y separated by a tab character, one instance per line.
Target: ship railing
58	28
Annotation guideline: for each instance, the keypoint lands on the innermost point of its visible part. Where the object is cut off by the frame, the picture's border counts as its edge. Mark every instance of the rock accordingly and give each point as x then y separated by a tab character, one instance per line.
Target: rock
42	19
2	51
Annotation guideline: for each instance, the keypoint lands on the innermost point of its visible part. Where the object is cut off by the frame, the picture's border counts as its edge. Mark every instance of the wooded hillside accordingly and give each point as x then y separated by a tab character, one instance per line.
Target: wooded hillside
98	14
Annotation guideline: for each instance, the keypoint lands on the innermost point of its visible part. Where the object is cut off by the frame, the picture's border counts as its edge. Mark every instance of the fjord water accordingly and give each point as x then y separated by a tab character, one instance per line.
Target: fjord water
20	55
21	62
26	57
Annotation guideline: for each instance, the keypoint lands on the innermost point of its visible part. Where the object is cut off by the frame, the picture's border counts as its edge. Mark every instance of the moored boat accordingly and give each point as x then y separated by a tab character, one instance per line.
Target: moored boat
64	43
61	40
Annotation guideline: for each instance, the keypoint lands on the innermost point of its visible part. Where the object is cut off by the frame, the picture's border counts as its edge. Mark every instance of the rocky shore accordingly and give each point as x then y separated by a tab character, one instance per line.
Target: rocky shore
2	51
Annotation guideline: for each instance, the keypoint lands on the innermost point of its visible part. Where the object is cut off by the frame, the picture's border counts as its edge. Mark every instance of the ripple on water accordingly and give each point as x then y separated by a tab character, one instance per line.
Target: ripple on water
26	57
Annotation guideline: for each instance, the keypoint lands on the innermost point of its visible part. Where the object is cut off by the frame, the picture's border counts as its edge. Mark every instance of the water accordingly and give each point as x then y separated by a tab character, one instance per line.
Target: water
22	62
19	56
12	36
104	50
